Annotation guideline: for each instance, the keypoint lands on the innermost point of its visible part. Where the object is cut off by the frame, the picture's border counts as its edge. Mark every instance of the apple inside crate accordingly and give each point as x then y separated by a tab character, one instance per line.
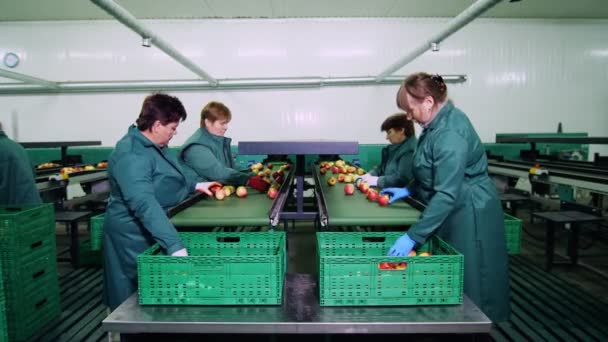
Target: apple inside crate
354	270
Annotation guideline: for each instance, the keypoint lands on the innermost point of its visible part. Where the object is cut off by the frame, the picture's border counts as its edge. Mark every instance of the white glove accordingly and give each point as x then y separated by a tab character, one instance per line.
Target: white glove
181	252
371	180
204	187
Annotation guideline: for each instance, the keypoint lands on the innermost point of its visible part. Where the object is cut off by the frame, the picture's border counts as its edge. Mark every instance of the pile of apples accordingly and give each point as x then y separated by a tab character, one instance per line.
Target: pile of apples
220	192
274	178
343	173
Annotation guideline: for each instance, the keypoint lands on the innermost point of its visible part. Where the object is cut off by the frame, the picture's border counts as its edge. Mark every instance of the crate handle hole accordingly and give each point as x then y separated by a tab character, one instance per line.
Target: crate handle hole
36	244
38	274
373	239
41	303
12	209
228	239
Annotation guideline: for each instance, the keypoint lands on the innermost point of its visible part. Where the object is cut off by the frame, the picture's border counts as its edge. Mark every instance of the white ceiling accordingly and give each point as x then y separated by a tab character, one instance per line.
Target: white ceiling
35	10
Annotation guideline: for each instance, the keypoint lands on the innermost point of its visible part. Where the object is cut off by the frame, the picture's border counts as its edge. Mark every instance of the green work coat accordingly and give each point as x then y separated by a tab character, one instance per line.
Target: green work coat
17	176
395	169
207	157
145	182
463	208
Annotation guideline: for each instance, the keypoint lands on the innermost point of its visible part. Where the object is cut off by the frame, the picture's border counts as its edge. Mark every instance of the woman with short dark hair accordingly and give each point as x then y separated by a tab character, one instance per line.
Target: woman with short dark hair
395	168
145	181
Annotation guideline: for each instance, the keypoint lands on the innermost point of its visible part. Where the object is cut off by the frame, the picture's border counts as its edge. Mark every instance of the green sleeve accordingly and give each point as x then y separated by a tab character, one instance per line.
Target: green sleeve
374	171
134	177
403	175
210	168
449	161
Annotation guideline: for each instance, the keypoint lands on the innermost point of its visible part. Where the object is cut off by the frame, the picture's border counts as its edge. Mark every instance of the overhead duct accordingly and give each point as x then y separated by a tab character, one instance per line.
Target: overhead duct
198	85
130	21
28	79
468	15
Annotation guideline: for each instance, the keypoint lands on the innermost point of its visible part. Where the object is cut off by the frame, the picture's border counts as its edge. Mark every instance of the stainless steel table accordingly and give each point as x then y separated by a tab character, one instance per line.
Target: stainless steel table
299	314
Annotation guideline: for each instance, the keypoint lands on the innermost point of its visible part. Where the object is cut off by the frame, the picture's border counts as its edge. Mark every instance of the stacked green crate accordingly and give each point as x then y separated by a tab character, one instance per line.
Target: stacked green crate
97	232
513	234
3	330
29	268
89	257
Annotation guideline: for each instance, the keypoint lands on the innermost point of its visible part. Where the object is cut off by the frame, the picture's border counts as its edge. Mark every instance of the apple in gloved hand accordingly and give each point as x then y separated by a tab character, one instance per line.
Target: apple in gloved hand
220	194
383	200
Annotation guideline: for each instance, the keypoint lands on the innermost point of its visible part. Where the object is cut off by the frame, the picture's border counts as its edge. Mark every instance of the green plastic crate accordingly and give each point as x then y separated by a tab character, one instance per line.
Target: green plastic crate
241	268
513	234
89	257
3	327
27	317
350	271
25	230
97	232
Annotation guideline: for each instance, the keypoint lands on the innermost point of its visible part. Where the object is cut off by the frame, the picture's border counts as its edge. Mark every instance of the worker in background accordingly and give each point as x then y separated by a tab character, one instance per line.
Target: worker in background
206	154
145	181
395	169
462	204
17	176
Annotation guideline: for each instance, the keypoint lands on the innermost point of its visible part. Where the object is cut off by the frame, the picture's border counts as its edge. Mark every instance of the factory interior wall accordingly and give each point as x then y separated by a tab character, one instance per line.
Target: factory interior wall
523	75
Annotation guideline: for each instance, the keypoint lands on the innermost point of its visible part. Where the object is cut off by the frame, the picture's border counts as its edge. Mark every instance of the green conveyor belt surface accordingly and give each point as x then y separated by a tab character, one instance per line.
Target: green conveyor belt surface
232	211
356	210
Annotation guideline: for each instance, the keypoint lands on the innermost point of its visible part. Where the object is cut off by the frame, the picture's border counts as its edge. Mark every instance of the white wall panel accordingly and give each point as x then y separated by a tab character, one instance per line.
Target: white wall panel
524	75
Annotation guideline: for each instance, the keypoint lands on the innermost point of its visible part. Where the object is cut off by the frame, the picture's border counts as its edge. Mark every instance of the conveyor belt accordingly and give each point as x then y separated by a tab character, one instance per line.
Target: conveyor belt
581	179
356	210
232	211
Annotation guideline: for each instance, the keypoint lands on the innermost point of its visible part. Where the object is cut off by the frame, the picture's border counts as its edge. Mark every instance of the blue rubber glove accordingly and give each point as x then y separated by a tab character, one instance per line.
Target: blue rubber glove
395	193
402	247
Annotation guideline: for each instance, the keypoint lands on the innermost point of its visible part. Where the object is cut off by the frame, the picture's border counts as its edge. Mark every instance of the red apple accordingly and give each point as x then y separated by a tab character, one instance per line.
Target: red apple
241	191
272	193
341	178
349	189
270	166
363	187
372	195
412	253
383	200
323	171
287	166
220	194
215	188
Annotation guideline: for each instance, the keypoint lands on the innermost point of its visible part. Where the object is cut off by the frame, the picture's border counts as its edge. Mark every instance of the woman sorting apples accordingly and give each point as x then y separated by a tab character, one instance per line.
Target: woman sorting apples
462	204
206	154
395	169
145	180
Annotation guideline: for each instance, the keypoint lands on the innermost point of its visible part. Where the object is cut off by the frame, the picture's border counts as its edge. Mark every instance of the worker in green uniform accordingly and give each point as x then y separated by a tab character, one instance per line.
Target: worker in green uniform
395	169
145	180
206	154
462	204
17	176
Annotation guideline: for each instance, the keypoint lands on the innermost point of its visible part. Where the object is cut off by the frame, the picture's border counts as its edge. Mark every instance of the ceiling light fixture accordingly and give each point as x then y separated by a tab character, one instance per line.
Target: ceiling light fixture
146	41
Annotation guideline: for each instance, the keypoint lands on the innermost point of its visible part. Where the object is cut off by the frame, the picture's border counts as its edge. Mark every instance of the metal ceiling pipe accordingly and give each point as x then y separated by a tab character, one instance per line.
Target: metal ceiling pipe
28	79
465	17
131	22
198	85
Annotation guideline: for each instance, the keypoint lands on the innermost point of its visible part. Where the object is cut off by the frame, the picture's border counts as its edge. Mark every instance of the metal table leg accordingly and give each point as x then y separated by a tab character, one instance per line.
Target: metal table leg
549	245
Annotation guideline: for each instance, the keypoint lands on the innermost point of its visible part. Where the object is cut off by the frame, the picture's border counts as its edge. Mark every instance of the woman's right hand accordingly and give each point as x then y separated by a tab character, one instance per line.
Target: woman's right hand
205	187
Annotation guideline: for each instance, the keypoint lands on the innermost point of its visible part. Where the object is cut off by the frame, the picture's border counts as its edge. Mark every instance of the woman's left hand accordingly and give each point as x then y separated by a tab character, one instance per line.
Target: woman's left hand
204	187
